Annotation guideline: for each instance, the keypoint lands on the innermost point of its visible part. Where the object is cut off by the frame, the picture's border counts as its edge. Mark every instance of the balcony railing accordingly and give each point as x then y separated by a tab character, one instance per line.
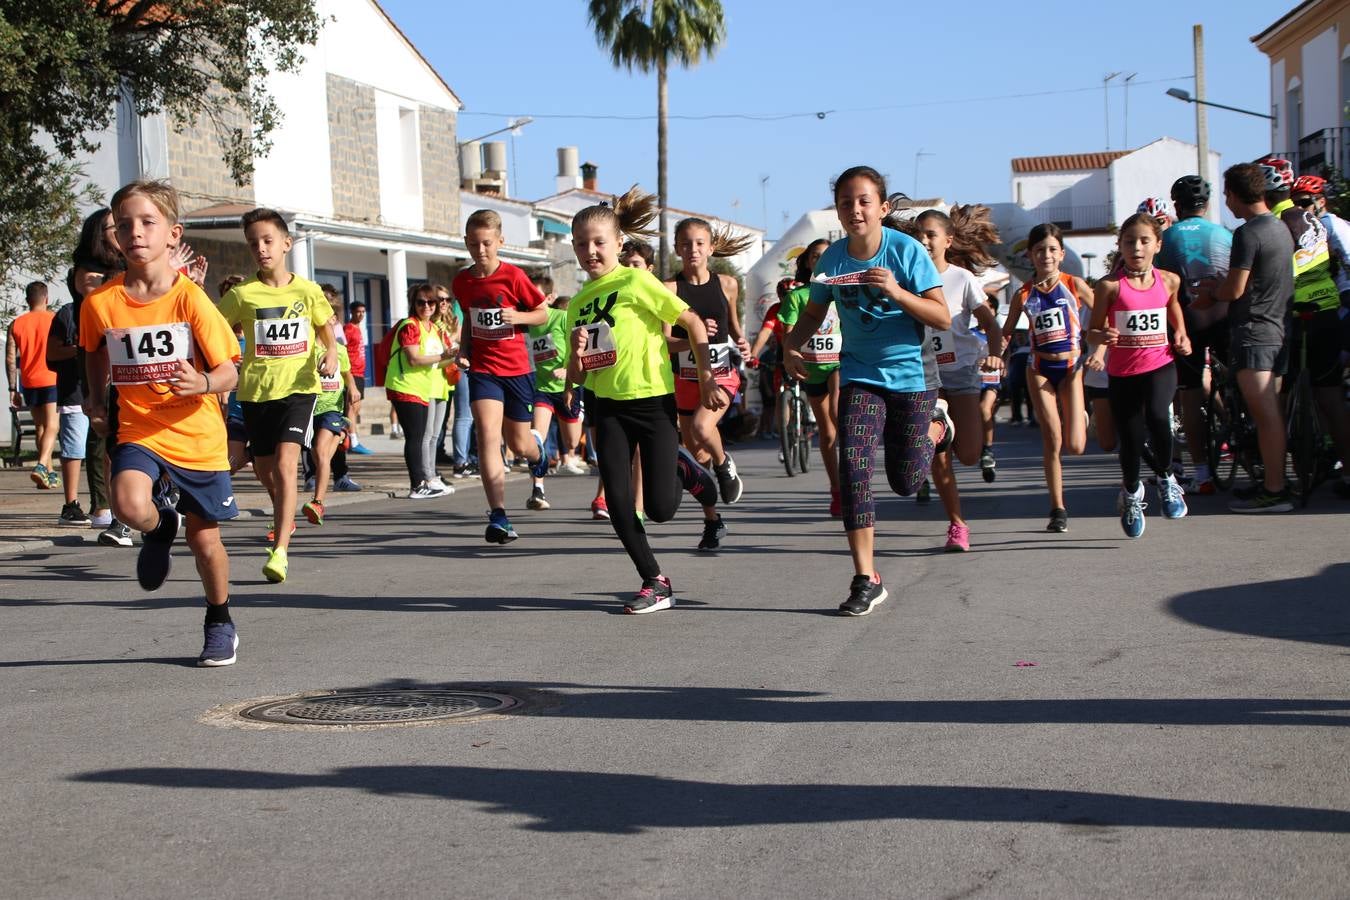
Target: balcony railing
1328	147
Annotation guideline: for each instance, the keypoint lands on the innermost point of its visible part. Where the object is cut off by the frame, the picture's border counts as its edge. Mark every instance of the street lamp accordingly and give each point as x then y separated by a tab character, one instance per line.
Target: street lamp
1088	257
512	126
1186	96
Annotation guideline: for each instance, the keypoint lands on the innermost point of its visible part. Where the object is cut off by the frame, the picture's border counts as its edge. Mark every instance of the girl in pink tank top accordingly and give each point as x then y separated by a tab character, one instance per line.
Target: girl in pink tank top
1135	307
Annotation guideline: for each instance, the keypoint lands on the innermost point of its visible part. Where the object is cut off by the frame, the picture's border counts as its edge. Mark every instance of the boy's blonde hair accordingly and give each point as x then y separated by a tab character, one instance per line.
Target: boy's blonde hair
158	192
483	218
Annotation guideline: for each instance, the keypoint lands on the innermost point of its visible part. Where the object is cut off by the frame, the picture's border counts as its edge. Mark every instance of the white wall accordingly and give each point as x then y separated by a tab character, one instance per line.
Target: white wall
1150	171
1055	188
400	160
518	226
297	173
362	45
1321	82
1277	98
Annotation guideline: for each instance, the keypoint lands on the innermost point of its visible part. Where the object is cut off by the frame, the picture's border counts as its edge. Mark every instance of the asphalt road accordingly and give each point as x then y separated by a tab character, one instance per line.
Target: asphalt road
1183	731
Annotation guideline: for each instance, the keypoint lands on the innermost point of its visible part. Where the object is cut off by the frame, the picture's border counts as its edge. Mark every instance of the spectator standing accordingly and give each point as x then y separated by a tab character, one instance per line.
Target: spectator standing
354	332
31	383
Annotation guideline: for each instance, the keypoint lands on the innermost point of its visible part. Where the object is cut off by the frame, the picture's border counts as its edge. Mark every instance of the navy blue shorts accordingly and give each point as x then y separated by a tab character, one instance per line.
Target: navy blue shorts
332	421
514	392
39	396
235	431
209	495
562	410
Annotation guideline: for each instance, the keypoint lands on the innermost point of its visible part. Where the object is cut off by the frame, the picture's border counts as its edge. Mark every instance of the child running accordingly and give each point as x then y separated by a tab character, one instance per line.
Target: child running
500	303
551	350
281	314
1135	307
886	291
330	423
956	244
160	353
1054	378
619	350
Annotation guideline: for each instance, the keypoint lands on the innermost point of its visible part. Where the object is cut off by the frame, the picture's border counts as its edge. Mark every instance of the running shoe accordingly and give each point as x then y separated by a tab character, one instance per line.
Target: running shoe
499	530
1059	520
713	532
221	643
460	471
599	509
423	491
1203	481
115	535
988	465
274	570
836	506
438	485
540	468
101	520
864	593
73	516
1263	501
537	499
313	510
346	484
1131	506
39	476
155	559
958	538
53	480
948	427
925	494
361	450
728	481
1171	497
272	533
656	594
573	466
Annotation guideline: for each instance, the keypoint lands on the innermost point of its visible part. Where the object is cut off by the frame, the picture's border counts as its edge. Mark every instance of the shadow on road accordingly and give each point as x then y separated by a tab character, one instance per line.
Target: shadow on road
1313	608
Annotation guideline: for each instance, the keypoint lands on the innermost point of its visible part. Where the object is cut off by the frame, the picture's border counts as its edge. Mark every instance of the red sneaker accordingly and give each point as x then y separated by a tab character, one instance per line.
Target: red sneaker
599	509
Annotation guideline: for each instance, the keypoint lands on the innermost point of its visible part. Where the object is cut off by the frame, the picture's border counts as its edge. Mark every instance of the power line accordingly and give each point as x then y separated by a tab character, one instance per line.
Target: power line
815	114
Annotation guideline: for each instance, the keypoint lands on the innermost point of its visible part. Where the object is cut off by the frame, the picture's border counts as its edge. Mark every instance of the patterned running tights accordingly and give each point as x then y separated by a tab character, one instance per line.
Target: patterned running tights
870	415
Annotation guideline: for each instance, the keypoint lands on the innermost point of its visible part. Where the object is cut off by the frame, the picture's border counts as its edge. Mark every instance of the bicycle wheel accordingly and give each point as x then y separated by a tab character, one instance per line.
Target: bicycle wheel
1305	436
1218	439
787	431
803	436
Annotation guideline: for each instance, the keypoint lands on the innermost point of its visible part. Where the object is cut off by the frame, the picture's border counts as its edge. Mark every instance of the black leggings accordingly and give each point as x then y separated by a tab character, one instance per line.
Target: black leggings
622	426
1140	406
413	418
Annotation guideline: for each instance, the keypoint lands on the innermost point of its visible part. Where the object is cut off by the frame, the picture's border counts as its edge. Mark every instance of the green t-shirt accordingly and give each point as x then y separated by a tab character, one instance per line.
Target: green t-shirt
622	312
826	343
550	350
331	395
281	355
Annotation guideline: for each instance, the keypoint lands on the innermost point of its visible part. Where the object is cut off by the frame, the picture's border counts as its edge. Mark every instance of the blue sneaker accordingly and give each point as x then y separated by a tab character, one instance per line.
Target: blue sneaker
1172	498
1131	506
221	642
540	468
499	530
345	483
155	559
361	449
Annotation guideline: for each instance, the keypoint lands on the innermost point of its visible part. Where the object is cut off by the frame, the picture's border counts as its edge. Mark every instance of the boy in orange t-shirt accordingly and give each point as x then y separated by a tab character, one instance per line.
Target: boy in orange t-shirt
26	360
162	353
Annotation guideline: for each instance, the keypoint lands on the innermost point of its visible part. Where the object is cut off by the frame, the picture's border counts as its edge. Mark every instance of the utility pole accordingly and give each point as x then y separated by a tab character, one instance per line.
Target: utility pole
764	202
1106	99
918	155
1128	78
1201	116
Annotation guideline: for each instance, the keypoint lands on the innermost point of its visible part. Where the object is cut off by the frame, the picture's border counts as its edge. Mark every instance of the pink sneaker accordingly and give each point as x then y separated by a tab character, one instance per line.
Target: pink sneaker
958	538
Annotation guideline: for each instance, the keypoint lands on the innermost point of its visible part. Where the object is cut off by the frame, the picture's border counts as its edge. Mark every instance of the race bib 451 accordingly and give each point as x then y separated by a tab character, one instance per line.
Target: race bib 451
149	354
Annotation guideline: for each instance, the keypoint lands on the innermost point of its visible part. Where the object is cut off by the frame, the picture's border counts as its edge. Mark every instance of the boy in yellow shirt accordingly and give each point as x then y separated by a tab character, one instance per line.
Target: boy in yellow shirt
160	353
281	314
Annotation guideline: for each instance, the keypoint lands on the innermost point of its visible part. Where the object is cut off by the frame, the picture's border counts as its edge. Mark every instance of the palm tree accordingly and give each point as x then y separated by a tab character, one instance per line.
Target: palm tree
650	34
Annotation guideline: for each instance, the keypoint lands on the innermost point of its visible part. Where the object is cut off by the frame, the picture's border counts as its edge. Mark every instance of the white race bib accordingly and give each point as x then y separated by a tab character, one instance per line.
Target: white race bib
488	325
599	352
1141	328
944	347
149	354
280	338
329	384
1048	326
543	348
719	360
822	349
994	378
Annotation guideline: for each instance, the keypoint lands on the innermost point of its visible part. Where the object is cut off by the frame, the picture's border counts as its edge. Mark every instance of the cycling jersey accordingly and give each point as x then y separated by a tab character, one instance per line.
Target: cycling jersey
1196	249
1313	284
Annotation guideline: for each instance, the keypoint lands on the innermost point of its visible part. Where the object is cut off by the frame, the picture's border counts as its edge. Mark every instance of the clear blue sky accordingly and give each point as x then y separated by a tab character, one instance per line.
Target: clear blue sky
540	58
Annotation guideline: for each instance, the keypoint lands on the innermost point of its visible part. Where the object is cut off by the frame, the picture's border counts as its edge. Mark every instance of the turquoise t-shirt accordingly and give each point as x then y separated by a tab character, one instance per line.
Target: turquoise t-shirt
884	346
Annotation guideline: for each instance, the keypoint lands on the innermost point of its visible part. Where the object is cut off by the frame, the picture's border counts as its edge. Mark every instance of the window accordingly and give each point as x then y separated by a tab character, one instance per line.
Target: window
1294	110
410	158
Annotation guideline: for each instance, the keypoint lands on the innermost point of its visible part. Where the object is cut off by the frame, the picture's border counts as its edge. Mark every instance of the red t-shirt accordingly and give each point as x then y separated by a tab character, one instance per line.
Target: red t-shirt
496	348
356	348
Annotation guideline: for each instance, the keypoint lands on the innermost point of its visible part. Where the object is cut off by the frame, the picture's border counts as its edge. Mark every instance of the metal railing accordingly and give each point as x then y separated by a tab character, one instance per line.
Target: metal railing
1074	218
1328	147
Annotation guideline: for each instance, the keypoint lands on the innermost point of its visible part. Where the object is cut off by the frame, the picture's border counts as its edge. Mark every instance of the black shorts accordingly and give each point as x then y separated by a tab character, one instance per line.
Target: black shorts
1215	338
235	431
1096	393
284	421
817	390
1324	347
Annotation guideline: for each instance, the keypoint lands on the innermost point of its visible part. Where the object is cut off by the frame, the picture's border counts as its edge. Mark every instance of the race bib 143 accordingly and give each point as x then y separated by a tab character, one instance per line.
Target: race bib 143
149	354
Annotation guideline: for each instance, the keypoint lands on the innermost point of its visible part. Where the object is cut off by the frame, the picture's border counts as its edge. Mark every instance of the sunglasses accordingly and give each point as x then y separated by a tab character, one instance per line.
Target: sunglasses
424	303
1303	201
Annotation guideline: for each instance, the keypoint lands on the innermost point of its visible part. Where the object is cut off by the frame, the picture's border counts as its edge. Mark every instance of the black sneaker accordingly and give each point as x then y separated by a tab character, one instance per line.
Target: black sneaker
537	499
925	494
499	530
115	535
155	559
221	643
656	595
713	532
988	465
728	481
864	593
1059	520
72	515
1263	501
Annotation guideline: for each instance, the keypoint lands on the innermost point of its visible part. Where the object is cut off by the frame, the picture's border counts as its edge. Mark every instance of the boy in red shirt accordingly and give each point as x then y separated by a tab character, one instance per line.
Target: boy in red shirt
500	303
160	352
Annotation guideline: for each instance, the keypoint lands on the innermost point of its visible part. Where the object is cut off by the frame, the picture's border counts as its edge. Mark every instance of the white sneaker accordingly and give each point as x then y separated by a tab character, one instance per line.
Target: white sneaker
948	427
101	520
423	491
574	466
442	489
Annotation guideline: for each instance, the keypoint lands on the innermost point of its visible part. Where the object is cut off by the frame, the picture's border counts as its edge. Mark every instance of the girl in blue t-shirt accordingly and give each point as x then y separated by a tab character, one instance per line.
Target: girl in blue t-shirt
886	291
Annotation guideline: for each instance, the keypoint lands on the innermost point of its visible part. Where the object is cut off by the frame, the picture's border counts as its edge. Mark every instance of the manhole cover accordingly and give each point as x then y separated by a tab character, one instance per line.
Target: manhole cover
376	707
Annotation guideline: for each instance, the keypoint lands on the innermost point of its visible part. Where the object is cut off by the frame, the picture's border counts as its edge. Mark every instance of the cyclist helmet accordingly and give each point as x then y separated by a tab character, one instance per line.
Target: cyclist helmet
1190	192
1310	184
1282	168
1156	207
1274	181
785	285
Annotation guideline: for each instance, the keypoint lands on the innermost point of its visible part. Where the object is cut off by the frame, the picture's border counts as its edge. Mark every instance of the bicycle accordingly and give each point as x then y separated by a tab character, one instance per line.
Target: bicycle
1230	432
794	435
1307	440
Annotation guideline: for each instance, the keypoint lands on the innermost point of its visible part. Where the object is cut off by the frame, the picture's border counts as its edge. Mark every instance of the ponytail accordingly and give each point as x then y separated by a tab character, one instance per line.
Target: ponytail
631	214
724	242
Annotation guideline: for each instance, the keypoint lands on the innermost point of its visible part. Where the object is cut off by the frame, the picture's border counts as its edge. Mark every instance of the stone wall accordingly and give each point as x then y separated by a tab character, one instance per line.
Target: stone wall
440	171
352	146
196	167
222	257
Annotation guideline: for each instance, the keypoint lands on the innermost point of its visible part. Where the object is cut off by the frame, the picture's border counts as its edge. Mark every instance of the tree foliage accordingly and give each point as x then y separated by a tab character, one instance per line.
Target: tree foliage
65	64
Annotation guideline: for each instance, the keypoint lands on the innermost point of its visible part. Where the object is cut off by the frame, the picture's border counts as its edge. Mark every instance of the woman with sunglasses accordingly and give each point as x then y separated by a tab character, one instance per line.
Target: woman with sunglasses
417	389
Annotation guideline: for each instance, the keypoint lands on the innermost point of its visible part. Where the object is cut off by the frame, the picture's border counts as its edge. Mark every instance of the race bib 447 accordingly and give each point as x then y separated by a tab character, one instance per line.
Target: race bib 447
280	338
149	354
